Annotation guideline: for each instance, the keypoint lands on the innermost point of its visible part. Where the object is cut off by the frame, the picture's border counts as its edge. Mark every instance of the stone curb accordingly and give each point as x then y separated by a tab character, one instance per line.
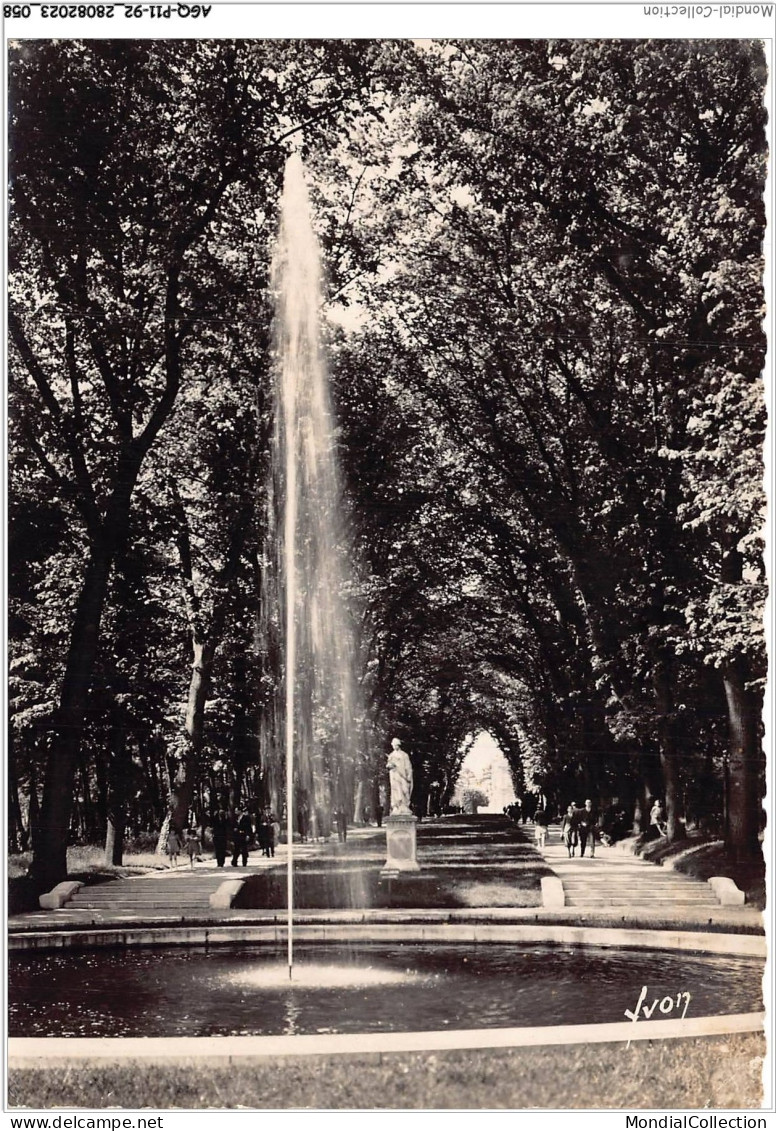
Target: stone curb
226	893
60	895
552	892
726	891
274	934
47	1052
739	919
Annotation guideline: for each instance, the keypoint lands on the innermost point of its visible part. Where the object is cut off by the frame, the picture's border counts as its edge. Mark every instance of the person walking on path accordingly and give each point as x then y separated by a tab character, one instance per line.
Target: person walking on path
173	847
273	831
193	846
540	827
569	829
657	820
587	824
341	822
262	832
242	835
220	836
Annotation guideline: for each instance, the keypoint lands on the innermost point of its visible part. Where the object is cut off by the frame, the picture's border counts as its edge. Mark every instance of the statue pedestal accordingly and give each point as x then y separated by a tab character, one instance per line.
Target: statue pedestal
401	838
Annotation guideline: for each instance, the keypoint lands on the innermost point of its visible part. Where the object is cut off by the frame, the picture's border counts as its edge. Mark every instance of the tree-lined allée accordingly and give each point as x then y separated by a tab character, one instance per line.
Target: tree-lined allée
545	303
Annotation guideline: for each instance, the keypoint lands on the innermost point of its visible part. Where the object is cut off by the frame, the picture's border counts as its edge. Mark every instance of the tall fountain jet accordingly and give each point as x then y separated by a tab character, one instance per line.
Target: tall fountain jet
308	558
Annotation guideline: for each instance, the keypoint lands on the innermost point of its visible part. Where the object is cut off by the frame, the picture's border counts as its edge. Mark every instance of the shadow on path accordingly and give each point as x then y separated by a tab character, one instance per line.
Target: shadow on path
478	861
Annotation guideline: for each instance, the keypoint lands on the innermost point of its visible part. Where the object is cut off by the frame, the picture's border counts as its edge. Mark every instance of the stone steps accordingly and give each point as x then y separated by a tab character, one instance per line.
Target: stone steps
628	889
181	891
172	889
612	880
577	899
678	905
177	895
142	897
639	889
147	910
141	904
642	888
640	892
669	909
652	878
697	893
579	894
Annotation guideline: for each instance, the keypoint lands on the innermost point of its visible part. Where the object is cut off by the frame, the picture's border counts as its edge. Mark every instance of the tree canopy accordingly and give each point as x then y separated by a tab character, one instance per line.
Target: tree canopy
544	325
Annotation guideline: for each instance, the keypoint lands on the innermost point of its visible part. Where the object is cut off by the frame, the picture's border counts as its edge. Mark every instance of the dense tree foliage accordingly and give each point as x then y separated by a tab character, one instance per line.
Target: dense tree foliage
546	346
572	305
143	179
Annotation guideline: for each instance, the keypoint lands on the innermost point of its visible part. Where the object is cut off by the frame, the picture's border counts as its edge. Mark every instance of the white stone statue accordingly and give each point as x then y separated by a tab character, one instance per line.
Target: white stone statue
400	773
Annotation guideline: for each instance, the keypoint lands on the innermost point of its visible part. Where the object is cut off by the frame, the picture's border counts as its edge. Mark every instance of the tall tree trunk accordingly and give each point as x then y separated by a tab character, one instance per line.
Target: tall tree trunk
199	690
17	834
33	814
101	772
646	790
49	864
161	844
205	639
114	840
88	829
743	800
743	709
628	774
664	700
240	740
358	804
155	803
119	767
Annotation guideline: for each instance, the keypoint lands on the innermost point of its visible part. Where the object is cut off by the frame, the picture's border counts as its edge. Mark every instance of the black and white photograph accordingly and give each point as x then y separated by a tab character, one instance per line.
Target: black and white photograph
387	456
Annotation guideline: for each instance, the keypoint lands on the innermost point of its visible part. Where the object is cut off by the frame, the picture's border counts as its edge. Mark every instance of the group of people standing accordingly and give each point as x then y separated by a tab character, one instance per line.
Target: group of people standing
244	835
526	807
239	832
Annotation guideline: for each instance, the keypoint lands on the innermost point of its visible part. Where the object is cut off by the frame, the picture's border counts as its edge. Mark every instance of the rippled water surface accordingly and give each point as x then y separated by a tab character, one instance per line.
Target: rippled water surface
244	990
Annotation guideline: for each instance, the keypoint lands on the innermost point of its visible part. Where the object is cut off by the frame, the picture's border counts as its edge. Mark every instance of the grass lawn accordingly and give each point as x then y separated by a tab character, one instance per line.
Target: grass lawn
713	1072
466	862
702	857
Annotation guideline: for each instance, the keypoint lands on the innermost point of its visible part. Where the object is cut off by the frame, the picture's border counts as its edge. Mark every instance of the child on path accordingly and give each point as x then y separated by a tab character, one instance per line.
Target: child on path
173	847
540	827
193	845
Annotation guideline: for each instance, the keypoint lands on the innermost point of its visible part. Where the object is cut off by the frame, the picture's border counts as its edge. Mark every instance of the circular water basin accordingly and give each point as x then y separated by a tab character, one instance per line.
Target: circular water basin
241	991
